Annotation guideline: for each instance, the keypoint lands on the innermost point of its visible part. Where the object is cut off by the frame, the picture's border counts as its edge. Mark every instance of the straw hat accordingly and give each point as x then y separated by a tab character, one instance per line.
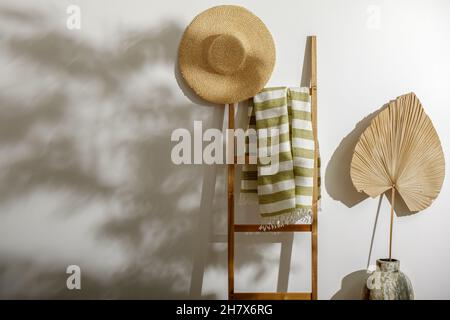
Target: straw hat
226	54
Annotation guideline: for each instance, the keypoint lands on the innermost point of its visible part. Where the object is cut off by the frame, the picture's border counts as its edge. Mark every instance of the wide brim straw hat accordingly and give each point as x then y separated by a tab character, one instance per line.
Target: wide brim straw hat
226	54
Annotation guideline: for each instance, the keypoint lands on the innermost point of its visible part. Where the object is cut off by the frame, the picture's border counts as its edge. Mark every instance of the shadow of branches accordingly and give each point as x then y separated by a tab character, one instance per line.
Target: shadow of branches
95	122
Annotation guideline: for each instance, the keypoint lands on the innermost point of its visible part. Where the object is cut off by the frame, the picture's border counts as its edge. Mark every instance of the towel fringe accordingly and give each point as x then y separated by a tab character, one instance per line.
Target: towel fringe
301	215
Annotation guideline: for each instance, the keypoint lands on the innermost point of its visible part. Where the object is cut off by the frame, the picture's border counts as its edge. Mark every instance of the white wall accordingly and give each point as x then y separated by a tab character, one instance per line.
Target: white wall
86	177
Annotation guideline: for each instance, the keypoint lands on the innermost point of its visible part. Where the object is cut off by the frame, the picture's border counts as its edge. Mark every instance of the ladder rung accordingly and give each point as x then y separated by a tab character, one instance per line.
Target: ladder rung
271	296
286	228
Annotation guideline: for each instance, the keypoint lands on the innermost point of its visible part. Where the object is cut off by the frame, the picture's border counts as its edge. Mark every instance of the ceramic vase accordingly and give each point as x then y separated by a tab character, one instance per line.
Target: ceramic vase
388	282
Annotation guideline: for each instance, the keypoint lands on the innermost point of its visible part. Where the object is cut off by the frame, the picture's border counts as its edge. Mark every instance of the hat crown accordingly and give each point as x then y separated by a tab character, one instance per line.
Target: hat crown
227	54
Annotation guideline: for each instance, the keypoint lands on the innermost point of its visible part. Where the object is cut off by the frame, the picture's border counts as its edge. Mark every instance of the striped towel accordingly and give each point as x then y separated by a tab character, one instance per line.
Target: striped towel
284	186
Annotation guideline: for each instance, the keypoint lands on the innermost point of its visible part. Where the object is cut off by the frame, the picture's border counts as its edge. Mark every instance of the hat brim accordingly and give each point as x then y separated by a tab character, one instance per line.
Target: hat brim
248	80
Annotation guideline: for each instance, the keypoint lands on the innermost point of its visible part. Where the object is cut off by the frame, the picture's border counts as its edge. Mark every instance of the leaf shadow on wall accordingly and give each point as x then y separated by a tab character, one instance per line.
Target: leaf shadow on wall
338	182
93	120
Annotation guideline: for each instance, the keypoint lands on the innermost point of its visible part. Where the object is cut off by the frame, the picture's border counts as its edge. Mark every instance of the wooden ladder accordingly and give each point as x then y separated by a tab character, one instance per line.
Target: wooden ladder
312	228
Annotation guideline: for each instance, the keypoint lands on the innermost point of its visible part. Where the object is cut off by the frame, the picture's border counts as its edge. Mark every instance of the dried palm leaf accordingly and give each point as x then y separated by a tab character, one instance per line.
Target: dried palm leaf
400	149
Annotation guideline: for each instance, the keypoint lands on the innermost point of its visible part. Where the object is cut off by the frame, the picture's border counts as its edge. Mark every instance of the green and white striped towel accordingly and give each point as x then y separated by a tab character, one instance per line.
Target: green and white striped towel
284	195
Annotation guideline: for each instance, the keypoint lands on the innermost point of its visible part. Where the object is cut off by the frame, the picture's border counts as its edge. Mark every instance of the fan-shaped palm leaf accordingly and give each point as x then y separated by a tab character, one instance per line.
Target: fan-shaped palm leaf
401	150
